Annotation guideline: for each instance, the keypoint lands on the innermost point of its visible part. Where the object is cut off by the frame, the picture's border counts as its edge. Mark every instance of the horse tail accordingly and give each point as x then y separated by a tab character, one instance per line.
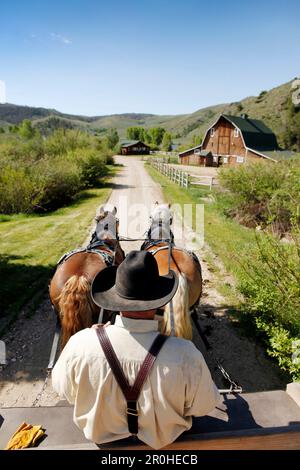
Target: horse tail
181	309
76	307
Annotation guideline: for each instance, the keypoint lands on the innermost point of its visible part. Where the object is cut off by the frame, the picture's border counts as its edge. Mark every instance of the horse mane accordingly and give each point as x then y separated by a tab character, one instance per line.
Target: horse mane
100	217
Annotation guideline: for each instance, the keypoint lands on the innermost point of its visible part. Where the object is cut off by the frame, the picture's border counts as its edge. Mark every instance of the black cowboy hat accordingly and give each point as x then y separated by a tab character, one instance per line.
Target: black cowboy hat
133	286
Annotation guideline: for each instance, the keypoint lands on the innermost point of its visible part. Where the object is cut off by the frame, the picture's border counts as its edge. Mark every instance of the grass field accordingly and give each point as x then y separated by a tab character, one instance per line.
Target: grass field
31	246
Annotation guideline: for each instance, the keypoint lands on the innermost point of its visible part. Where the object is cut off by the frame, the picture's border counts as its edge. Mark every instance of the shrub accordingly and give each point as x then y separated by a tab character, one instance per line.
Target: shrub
62	141
92	168
59	181
282	346
26	129
263	194
110	159
271	288
18	192
39	174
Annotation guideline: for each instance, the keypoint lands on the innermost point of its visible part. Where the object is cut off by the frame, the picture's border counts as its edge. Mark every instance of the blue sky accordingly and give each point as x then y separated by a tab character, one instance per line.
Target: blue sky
164	57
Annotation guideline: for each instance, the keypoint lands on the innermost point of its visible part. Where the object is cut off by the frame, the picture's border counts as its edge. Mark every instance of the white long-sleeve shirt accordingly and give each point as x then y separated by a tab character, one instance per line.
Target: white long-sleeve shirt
179	385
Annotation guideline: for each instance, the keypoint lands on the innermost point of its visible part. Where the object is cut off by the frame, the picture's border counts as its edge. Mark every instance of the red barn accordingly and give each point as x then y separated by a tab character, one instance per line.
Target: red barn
233	140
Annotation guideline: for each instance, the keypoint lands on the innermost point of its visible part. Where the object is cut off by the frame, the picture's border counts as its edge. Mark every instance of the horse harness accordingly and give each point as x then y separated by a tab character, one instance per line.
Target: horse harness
91	248
155	250
131	393
150	242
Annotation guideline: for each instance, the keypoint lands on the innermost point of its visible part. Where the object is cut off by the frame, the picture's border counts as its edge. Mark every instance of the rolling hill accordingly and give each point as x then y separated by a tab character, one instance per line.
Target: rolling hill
270	106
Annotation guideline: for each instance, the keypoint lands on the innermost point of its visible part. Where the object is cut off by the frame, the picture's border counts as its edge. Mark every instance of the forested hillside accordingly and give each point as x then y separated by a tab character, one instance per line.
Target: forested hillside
274	107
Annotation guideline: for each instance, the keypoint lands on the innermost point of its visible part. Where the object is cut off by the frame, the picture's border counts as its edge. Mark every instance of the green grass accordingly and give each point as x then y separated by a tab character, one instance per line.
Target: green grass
227	238
31	246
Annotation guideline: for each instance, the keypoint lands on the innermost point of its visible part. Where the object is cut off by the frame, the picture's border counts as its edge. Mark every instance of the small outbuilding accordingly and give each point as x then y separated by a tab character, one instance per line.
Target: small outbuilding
196	156
134	147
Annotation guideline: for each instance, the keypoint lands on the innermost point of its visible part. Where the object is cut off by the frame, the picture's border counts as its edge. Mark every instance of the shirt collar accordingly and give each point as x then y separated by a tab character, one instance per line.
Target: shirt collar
136	326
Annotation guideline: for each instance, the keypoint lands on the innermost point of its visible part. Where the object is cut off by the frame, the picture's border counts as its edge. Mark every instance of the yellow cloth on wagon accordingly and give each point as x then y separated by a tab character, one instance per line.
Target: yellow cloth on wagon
25	436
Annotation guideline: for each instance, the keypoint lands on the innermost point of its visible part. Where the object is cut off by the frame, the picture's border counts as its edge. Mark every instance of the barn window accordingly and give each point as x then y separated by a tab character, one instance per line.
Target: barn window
225	159
240	159
212	132
236	132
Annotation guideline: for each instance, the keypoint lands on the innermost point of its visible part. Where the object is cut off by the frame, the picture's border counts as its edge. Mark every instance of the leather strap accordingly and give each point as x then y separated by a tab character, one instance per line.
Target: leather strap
131	393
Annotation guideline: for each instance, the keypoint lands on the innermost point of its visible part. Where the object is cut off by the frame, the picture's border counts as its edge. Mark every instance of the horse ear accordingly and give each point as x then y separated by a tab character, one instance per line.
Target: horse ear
101	210
114	211
169	206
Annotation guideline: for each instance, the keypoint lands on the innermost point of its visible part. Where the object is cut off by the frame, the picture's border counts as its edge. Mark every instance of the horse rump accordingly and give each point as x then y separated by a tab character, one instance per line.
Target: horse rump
76	307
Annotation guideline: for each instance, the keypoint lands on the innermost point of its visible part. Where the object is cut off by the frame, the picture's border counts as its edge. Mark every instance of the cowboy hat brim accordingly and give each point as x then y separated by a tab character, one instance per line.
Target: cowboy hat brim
104	292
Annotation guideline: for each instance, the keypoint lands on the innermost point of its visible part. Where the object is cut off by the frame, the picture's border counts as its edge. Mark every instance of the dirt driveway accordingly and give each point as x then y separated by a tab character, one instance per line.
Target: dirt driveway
29	340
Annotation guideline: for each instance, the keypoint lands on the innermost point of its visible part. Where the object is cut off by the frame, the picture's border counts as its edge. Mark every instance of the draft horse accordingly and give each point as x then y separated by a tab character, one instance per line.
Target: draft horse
71	284
185	263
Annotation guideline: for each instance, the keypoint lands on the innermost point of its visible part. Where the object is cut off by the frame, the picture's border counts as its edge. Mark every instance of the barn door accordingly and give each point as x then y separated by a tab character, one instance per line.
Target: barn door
224	138
224	145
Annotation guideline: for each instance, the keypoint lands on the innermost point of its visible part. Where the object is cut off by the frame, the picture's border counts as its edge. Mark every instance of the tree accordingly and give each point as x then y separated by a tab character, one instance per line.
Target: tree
135	133
167	142
2	131
156	134
292	131
112	138
145	136
13	129
197	140
26	129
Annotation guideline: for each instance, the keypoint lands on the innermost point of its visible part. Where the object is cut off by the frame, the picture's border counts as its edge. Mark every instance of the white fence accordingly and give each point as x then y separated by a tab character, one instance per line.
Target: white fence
183	178
203	180
177	176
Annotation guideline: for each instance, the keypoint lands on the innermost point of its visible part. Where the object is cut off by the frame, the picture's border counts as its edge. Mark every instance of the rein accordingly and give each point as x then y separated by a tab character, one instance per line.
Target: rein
94	246
148	243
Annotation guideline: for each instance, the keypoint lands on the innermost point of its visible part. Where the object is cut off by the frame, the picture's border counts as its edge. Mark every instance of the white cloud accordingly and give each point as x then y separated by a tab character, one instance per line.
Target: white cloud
60	38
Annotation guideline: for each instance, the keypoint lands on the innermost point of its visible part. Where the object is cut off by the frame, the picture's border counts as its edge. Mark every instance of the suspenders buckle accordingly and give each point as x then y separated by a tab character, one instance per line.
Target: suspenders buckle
130	411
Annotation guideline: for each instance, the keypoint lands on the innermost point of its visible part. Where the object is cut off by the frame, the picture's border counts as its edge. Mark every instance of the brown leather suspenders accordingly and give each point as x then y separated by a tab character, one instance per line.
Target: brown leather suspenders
131	394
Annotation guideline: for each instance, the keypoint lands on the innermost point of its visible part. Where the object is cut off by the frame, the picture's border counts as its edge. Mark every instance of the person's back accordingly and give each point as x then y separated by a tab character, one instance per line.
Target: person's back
178	386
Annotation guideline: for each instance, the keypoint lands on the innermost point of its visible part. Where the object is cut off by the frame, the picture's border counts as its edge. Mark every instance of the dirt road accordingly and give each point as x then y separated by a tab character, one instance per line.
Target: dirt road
29	341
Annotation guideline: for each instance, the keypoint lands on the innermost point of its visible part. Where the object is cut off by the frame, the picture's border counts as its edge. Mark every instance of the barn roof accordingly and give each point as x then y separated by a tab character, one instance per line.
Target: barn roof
181	154
255	133
205	153
129	143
